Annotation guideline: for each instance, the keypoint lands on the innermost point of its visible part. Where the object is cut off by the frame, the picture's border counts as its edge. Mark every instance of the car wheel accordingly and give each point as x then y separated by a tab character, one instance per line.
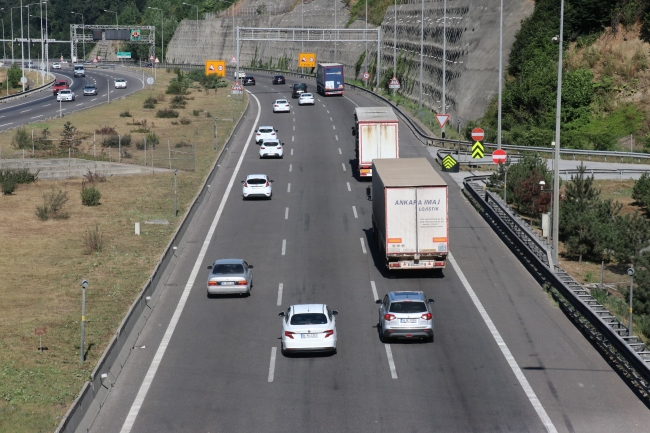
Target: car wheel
381	333
281	156
431	339
334	351
282	351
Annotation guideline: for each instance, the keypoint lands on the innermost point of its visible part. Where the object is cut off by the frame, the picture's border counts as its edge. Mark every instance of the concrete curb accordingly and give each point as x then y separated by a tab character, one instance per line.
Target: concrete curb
82	412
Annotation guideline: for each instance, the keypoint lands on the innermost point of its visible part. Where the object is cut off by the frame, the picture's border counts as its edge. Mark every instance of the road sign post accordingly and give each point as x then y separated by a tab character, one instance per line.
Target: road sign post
394	83
478	151
499	156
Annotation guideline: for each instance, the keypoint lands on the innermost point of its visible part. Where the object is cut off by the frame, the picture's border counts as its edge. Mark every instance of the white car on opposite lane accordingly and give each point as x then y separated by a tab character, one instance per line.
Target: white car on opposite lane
257	185
65	95
120	83
281	106
56	65
308	328
271	149
306	99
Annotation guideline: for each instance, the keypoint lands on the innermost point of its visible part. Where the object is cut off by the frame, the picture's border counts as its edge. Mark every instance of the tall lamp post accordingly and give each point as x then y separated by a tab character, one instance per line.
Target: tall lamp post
83	23
4	45
444	63
336	33
22	47
162	19
117	22
197	20
395	41
558	107
630	272
500	75
29	46
421	50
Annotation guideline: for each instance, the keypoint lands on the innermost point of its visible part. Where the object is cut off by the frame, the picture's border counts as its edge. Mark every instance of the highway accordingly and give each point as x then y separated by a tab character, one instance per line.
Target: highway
43	105
504	358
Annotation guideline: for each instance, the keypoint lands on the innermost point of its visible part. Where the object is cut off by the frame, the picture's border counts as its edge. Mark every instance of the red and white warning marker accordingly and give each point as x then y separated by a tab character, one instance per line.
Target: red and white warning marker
442	119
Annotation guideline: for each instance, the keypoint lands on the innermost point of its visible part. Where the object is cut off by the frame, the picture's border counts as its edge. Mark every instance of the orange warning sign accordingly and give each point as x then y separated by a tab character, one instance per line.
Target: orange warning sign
217	67
307	60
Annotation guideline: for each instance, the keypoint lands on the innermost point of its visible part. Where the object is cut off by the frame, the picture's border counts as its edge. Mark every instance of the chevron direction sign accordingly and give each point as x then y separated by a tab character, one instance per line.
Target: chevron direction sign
478	150
450	165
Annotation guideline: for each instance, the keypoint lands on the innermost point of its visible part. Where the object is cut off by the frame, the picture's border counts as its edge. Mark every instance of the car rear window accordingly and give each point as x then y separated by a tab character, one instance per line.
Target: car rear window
266	130
256	181
281	101
229	268
300	86
309	319
305	95
408	307
271	143
61	83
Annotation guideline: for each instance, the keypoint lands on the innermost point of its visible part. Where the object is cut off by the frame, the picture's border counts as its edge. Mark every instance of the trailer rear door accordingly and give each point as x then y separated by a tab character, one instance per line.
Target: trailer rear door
378	140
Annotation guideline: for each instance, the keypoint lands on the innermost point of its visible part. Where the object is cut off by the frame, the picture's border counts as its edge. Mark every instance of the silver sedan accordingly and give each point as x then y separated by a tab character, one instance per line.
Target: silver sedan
230	276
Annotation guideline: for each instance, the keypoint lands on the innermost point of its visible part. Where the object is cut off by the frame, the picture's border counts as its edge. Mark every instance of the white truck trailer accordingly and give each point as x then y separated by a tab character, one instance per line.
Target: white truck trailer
376	131
409	213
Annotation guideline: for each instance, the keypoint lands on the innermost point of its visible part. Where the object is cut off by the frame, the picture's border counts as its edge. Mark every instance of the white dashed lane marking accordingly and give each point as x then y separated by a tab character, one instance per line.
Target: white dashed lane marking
349	189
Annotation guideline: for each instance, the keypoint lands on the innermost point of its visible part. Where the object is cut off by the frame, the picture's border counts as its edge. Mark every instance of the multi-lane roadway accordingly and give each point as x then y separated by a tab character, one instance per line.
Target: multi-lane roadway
43	105
504	357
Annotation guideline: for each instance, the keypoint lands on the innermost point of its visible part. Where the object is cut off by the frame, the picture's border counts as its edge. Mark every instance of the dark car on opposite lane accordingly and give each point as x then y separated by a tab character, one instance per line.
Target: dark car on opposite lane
248	81
279	79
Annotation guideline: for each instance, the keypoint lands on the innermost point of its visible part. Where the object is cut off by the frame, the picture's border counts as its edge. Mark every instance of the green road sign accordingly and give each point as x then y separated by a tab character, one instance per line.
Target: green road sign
449	164
478	150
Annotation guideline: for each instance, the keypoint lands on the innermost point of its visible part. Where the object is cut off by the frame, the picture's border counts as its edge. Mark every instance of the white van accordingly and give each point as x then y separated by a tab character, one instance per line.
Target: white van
79	71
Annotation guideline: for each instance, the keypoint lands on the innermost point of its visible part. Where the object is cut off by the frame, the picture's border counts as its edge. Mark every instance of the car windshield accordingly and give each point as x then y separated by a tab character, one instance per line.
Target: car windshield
408	307
228	268
119	81
63	92
266	130
309	319
89	87
256	181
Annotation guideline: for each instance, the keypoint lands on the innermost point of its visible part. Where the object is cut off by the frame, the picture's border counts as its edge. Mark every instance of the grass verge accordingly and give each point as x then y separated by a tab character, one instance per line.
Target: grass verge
42	263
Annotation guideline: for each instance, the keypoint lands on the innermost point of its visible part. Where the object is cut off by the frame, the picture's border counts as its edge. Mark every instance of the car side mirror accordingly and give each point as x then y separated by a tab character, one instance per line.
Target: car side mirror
369	192
431	301
210	267
334	312
378	301
242	181
283	144
271	181
277	130
354	132
250	266
281	314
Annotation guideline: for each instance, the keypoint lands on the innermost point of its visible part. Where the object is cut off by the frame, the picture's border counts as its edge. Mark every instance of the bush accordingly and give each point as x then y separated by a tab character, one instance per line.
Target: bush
18	175
92	177
185	121
8	186
167	113
182	144
152	139
208	114
21	140
641	191
178	102
125	114
150	103
195	112
53	204
175	88
90	195
115	141
93	240
106	130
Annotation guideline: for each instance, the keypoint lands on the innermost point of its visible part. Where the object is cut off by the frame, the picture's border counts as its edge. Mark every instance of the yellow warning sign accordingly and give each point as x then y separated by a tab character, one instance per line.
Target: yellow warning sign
307	60
477	150
449	164
216	67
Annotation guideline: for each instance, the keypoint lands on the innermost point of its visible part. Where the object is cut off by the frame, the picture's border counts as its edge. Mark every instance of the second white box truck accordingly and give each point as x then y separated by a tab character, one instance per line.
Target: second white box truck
377	136
409	213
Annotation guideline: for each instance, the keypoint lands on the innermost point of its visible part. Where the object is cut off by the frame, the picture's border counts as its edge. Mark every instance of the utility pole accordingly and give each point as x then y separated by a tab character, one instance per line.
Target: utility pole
558	107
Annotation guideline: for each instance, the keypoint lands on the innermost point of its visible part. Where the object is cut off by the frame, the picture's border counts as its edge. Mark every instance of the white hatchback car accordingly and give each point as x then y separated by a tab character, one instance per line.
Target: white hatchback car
120	83
281	106
308	328
56	65
271	149
306	99
257	185
265	133
65	95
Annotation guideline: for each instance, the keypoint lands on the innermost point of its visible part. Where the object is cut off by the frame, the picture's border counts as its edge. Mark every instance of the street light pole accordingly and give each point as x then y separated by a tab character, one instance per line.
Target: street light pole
421	50
83	23
117	22
556	174
162	45
4	45
335	32
630	272
444	63
302	21
395	41
500	75
22	46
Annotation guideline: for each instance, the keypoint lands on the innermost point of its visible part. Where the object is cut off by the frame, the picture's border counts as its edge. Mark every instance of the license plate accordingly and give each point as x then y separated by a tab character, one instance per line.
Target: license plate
227	283
308	335
408	320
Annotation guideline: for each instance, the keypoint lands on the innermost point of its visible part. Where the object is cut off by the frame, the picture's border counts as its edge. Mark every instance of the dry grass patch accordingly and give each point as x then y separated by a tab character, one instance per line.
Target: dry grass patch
42	263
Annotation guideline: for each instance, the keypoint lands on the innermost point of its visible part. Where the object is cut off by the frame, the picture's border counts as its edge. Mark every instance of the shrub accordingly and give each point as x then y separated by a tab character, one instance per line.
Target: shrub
208	114
8	186
182	144
195	112
93	240
90	195
167	113
92	177
139	144
53	203
161	97
152	139
177	102
116	140
175	88
185	121
150	103
125	114
18	175
174	122
106	130
21	140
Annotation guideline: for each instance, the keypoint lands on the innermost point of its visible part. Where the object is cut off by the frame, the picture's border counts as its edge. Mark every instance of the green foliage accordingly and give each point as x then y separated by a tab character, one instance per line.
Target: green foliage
167	113
90	195
178	102
22	139
18	175
14	74
523	183
152	139
641	299
93	240
8	186
125	114
185	121
115	140
69	136
641	191
150	102
53	204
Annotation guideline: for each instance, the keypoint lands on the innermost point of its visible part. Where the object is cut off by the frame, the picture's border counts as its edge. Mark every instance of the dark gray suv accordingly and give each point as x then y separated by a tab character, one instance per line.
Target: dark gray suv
405	315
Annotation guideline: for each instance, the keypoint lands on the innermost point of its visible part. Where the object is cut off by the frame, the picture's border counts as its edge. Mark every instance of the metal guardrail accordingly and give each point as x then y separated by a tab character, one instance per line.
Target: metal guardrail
602	327
83	411
28	92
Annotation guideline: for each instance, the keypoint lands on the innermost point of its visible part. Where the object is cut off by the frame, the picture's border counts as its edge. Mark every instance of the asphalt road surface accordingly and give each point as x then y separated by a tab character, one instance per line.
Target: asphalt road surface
504	358
43	105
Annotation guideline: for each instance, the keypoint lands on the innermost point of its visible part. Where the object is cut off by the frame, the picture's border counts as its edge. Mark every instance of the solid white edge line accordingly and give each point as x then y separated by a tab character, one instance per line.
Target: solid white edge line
349	189
272	365
363	246
354	209
374	290
391	363
280	287
155	363
284	246
532	397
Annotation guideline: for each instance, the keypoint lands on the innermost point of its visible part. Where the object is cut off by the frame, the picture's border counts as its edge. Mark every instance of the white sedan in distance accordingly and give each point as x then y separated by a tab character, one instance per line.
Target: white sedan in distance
308	328
271	149
306	99
257	185
120	83
265	133
281	106
56	65
65	95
